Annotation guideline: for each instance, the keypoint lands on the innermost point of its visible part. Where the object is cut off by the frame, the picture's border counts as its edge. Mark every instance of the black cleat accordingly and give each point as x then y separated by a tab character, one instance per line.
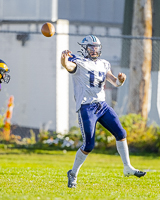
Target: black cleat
139	174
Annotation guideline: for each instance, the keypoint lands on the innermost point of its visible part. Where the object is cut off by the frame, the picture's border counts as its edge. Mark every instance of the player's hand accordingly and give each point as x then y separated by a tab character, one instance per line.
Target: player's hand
66	53
64	57
121	77
69	65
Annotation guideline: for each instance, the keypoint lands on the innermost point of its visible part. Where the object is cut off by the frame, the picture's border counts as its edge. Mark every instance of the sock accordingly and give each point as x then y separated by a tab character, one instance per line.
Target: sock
122	148
79	160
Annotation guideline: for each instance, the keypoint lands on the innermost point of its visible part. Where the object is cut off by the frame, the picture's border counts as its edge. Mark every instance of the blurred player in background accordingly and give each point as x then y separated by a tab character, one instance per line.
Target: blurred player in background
89	74
4	76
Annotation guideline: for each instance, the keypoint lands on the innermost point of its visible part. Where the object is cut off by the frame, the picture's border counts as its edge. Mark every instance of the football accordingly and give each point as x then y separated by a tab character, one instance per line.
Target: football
48	29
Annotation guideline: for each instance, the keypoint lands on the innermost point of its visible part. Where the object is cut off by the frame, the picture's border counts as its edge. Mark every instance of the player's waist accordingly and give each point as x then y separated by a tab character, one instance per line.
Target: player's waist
95	106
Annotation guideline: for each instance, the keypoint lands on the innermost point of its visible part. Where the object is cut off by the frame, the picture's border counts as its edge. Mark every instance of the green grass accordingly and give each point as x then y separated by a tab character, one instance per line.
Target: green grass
43	176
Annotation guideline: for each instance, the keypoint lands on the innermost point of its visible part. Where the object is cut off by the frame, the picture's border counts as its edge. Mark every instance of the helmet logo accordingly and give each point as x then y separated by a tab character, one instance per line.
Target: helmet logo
84	40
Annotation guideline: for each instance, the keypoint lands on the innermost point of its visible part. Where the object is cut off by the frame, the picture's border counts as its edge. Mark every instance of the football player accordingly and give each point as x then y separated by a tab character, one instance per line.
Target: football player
4	76
89	74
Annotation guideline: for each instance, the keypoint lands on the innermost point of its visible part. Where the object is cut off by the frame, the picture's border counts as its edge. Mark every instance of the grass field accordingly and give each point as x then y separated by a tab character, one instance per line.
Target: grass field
43	176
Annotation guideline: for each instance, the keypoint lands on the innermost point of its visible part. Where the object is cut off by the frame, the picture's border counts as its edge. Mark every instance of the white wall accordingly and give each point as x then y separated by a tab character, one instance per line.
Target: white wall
33	79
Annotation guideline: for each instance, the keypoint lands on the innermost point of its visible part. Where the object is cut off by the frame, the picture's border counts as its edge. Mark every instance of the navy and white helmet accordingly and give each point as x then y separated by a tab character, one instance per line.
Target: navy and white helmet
92	46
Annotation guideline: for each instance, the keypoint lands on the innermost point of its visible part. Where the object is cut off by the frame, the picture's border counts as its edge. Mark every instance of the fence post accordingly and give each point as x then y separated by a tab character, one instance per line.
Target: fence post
62	78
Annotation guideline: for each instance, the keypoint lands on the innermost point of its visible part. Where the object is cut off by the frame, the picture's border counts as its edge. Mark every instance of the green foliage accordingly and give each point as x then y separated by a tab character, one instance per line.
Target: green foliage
1	126
43	135
140	136
133	122
1	121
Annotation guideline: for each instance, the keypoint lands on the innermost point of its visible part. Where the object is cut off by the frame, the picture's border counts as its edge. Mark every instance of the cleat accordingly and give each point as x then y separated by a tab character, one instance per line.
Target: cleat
139	173
133	172
72	179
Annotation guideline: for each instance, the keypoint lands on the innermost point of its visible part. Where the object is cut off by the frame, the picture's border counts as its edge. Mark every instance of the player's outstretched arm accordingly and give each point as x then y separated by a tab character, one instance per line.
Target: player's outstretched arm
70	66
116	81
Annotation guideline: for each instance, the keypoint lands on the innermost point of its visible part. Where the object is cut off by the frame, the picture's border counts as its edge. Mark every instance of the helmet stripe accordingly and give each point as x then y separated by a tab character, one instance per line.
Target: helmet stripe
93	38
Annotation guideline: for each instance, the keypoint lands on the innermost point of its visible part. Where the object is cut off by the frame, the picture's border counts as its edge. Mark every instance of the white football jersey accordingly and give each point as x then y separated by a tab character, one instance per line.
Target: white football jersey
89	80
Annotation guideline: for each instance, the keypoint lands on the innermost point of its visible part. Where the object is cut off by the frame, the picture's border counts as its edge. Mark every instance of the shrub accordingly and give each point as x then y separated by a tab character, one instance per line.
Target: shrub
1	121
140	137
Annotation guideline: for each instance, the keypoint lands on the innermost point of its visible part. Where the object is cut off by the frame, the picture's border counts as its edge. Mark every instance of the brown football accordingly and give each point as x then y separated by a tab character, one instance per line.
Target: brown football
48	29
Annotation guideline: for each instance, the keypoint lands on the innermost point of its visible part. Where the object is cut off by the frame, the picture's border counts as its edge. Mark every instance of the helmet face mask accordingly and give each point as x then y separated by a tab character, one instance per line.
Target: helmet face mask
5	78
92	46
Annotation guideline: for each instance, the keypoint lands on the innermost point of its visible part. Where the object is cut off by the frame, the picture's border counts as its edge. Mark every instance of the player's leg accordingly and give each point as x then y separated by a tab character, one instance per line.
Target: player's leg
111	122
129	170
87	122
73	173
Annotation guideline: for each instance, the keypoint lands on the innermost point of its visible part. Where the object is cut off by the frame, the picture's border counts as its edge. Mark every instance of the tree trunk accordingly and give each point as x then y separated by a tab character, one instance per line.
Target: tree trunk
140	59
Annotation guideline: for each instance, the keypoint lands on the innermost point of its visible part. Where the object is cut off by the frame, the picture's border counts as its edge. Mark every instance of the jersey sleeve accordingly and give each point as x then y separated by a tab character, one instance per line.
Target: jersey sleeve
75	58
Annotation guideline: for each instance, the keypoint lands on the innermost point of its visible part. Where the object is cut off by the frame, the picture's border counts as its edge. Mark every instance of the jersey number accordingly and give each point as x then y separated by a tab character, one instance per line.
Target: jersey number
92	77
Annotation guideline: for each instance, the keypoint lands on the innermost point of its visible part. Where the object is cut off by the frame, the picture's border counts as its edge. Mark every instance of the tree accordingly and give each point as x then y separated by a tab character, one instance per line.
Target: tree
140	58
